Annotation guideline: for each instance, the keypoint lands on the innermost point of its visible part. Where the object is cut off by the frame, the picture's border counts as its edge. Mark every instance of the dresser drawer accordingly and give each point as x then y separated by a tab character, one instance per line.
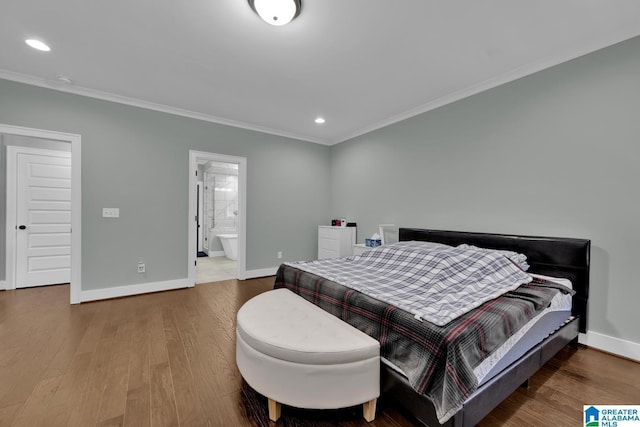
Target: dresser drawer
329	233
327	254
329	244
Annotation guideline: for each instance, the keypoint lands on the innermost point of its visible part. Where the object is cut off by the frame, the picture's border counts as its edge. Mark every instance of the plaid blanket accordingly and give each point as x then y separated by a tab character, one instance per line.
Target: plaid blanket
437	360
437	283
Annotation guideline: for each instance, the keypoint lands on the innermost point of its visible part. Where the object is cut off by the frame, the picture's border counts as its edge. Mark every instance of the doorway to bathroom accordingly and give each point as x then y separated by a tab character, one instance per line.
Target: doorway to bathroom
217	219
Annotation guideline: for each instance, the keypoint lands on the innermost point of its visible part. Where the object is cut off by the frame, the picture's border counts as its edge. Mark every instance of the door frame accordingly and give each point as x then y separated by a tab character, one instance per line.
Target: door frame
76	206
199	201
192	254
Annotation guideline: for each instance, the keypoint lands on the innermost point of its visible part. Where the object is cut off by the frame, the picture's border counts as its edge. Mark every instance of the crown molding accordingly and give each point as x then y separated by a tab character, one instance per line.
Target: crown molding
106	96
509	76
621	35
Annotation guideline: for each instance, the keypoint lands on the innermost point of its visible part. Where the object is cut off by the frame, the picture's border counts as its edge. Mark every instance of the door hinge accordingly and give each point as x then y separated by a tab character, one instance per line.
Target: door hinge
196	173
195	263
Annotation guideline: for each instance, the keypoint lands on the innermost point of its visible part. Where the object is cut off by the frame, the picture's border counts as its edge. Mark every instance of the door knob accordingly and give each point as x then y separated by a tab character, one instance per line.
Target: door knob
22	227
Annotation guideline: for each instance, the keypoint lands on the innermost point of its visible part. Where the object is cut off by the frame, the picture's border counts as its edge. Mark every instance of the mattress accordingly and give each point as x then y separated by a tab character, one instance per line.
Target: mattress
532	333
528	336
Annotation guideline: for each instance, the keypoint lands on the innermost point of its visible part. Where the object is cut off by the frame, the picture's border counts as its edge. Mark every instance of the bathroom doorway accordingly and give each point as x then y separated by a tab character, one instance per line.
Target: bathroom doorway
219	222
216	201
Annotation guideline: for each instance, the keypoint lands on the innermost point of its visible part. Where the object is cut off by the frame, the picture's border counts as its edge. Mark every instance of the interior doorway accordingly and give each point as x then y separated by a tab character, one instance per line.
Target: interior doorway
39	190
217	217
218	221
30	138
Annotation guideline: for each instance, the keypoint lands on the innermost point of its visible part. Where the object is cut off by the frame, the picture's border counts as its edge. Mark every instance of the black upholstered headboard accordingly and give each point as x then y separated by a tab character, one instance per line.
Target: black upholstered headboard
553	256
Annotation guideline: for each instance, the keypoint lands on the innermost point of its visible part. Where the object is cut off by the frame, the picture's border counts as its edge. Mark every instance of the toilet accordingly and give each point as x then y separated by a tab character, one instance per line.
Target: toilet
229	245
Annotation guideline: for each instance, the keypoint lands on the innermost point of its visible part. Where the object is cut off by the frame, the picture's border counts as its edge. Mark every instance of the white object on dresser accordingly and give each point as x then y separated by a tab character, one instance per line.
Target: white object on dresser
335	242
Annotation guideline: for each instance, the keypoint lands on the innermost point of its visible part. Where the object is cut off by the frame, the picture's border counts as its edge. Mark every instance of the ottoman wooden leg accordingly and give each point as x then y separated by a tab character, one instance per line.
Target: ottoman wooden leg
274	410
369	410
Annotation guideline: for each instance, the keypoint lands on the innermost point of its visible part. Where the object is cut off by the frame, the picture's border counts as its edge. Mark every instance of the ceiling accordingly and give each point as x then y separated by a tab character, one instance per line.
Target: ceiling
360	64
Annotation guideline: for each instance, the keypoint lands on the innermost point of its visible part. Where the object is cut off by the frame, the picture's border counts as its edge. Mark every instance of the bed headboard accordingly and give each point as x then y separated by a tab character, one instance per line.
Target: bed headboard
553	256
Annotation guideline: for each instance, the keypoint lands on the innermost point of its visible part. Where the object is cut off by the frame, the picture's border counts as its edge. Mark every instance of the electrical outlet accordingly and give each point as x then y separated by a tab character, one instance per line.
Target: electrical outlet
110	212
279	254
141	267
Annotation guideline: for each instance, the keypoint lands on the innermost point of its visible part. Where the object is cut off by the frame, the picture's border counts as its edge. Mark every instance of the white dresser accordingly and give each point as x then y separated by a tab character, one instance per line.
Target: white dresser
335	242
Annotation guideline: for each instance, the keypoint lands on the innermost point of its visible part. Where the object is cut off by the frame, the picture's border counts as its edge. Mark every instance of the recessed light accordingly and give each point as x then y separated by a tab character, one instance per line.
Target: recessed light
37	44
319	120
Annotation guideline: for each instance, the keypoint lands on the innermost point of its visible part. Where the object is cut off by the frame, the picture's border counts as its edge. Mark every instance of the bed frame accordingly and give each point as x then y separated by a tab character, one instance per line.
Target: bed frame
560	257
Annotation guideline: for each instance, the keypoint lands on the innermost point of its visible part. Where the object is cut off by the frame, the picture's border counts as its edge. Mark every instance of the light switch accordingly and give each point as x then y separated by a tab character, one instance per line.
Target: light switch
110	212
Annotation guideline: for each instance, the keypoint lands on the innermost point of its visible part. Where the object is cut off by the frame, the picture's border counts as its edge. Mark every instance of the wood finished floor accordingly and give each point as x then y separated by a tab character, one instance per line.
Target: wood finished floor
168	359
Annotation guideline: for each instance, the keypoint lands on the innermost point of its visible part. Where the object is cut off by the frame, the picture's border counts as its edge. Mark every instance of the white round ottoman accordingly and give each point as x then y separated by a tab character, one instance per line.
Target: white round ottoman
296	354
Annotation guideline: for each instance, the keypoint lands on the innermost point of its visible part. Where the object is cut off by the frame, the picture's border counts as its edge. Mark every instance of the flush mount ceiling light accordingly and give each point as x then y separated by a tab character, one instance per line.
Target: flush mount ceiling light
319	120
37	44
276	12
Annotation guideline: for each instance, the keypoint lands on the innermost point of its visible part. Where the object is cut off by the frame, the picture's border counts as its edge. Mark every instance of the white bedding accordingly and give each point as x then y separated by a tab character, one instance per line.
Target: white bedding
434	283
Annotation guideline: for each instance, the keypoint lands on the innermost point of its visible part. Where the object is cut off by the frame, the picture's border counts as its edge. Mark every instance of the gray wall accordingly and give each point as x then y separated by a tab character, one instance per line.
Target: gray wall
555	153
17	141
137	160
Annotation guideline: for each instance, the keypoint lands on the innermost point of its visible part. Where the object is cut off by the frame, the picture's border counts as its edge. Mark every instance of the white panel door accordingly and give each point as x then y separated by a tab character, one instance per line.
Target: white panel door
43	212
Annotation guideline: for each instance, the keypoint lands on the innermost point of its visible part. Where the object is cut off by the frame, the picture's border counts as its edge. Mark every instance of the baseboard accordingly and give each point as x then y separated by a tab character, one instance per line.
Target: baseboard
263	272
3	285
624	348
125	291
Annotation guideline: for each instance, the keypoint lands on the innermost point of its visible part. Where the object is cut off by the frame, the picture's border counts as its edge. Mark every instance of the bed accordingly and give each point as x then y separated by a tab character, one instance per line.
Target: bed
472	398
